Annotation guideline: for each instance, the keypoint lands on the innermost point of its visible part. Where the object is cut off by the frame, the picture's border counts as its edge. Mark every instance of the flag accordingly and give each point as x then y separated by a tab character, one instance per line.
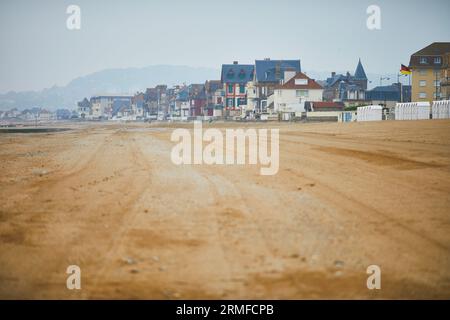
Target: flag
405	70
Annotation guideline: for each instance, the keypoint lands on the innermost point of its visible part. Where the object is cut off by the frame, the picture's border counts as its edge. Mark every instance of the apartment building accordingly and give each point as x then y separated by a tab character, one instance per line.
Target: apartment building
430	72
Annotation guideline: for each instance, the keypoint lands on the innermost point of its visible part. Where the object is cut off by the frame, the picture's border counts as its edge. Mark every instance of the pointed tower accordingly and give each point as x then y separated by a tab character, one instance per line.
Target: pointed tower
360	75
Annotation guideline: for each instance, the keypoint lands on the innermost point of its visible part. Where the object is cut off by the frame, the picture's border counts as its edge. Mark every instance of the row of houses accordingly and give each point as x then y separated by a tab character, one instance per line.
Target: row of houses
267	87
277	87
36	114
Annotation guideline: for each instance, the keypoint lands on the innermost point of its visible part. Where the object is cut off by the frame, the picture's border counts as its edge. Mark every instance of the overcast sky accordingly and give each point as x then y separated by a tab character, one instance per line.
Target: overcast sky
38	51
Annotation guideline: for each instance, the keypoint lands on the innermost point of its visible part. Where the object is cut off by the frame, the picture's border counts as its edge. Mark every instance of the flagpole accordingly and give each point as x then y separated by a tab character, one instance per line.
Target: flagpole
410	89
409	73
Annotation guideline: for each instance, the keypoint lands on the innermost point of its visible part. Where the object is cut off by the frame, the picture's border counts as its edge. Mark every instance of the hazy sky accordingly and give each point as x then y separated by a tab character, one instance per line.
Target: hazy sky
38	51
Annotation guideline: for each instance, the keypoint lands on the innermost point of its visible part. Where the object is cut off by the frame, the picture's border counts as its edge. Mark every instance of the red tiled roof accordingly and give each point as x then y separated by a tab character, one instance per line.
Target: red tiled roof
327	104
312	84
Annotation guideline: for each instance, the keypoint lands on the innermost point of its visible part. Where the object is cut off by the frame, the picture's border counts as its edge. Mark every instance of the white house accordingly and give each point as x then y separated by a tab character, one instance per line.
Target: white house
45	115
185	110
291	96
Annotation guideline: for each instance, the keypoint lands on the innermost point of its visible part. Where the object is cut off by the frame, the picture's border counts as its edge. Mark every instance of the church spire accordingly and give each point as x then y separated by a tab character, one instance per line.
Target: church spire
359	72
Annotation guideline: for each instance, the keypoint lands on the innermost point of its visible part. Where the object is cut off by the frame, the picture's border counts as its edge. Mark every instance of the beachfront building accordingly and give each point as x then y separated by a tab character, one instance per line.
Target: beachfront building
234	78
214	97
137	105
268	75
156	102
45	115
389	95
181	103
350	89
84	109
430	68
290	97
103	106
197	99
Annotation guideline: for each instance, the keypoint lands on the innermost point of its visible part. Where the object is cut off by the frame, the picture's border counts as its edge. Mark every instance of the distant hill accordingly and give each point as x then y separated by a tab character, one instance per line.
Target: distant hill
110	81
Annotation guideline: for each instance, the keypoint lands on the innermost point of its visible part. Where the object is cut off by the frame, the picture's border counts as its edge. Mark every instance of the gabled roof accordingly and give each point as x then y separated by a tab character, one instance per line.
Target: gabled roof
360	74
273	70
183	95
237	73
391	88
434	49
198	95
292	84
336	78
213	85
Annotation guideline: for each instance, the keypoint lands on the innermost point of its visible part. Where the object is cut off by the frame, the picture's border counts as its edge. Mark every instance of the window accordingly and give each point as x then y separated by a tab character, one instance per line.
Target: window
230	102
423	60
422	83
436	83
241	101
437	60
230	88
301	93
241	88
436	95
423	72
422	95
303	82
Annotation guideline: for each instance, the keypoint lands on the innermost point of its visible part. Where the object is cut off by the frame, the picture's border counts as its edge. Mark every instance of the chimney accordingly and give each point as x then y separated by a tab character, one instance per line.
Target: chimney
235	62
333	74
266	59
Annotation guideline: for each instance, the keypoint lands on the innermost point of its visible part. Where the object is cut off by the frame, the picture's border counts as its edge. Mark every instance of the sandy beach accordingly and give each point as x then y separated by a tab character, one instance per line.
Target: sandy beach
107	197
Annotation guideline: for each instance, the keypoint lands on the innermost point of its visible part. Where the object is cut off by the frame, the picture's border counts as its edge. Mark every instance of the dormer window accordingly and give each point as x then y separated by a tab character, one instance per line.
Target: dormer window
423	60
242	74
437	60
230	74
301	82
